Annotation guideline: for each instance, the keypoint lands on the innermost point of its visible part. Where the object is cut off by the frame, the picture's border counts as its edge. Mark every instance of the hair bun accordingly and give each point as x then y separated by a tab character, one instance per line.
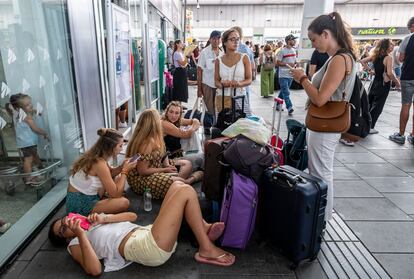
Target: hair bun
102	132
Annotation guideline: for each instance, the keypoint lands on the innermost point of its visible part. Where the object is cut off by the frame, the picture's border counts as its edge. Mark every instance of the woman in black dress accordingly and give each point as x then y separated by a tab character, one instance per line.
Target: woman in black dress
180	86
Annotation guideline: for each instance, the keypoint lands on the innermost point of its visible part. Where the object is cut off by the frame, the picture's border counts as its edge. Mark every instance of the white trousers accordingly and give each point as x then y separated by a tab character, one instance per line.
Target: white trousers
321	150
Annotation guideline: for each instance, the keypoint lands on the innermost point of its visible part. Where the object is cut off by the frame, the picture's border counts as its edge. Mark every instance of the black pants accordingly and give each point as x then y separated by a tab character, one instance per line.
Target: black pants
377	97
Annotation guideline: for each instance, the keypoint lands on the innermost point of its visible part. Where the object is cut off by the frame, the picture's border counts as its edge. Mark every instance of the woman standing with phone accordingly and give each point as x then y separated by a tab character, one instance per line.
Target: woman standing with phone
91	177
333	82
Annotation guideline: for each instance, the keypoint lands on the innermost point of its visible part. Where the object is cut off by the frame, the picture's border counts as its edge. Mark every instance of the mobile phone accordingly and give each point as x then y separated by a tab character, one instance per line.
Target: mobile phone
84	223
134	158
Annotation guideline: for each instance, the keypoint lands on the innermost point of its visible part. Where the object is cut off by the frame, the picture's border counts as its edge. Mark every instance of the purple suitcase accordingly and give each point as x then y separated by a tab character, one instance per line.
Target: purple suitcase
238	210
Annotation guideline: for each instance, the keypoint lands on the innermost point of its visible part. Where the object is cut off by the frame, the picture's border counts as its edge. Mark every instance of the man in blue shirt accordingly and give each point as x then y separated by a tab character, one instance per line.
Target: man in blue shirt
243	48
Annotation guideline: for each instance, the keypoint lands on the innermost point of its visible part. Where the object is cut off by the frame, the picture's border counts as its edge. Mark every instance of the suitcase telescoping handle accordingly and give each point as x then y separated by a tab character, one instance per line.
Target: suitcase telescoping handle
291	178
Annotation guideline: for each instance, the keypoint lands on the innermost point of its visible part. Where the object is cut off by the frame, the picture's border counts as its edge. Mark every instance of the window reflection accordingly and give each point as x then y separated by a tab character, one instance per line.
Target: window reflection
35	61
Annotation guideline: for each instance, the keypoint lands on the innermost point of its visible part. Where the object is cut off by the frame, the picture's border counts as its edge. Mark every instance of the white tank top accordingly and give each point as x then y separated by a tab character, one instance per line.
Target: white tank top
88	185
105	240
236	72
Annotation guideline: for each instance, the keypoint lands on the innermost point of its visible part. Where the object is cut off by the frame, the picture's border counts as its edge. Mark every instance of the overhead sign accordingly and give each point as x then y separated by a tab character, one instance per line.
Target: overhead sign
384	31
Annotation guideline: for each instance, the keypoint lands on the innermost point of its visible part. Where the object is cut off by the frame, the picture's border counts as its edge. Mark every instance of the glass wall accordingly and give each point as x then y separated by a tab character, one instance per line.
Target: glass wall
136	41
40	134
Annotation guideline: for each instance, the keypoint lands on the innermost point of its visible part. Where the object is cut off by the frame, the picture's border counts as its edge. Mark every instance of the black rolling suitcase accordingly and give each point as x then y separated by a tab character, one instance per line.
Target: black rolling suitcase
293	212
228	116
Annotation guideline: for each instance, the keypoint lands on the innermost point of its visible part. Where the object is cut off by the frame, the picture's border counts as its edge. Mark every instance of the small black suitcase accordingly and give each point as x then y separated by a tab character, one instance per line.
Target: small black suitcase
293	212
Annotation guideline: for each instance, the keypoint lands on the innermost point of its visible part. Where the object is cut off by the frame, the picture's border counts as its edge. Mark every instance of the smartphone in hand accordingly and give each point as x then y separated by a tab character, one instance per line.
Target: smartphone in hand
135	158
84	223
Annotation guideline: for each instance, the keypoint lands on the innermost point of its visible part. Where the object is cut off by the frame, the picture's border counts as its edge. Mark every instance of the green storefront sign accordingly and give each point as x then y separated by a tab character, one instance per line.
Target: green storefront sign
385	31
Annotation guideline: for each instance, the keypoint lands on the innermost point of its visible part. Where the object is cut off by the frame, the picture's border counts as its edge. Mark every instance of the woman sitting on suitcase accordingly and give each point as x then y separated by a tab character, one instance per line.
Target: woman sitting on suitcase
328	33
154	170
119	242
232	71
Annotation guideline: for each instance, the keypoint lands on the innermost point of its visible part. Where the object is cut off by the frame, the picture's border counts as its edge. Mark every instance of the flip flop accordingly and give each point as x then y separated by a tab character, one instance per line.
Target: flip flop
213	261
215	231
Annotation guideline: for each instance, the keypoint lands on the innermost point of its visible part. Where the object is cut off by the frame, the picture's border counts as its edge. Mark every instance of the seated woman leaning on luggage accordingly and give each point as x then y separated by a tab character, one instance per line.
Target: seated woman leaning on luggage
154	170
91	177
172	123
119	242
175	128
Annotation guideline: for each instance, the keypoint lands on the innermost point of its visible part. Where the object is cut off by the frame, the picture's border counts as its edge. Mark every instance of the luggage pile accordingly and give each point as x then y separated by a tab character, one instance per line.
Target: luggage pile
246	181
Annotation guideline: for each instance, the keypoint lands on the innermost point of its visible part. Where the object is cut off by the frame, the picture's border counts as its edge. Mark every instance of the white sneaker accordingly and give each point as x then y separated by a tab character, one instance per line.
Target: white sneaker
123	125
347	143
373	131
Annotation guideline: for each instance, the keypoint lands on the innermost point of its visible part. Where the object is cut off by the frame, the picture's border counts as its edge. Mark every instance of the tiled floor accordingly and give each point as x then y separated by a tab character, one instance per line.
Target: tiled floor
373	228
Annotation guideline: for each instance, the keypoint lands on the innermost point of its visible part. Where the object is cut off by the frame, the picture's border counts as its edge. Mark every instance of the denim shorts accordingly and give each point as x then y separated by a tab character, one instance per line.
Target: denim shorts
77	202
407	91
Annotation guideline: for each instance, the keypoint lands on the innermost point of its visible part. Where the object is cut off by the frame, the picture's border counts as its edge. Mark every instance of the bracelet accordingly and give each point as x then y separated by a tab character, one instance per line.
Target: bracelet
302	79
124	172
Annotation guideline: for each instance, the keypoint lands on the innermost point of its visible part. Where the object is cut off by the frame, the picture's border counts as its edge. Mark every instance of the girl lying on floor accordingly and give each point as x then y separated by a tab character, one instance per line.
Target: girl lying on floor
113	238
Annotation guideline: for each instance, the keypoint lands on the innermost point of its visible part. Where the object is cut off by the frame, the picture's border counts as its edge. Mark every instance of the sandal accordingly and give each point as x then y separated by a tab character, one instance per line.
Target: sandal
198	176
215	261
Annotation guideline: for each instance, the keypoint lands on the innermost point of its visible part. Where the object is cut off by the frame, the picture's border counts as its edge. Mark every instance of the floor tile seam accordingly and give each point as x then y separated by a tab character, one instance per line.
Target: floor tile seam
374	259
382	197
347	230
332	263
361	243
393	253
380	220
399	207
367	261
357	259
362	259
323	255
399	167
342	251
338	231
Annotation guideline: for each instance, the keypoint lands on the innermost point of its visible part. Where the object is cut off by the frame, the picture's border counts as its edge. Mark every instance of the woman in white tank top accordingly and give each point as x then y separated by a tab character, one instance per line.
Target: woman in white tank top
91	177
232	70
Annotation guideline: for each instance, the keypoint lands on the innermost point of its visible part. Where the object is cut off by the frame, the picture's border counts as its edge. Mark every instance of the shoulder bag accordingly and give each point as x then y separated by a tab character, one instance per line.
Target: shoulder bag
332	117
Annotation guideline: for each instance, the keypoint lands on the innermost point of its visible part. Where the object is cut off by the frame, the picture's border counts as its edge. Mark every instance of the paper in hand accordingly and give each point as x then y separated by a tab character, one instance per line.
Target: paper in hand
39	108
22	115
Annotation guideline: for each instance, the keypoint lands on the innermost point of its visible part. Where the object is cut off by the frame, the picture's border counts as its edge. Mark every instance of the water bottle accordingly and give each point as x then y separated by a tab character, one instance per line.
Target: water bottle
147	200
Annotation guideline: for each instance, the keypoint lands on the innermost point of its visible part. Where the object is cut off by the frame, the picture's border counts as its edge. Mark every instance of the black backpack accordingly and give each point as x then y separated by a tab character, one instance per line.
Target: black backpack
360	116
295	149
